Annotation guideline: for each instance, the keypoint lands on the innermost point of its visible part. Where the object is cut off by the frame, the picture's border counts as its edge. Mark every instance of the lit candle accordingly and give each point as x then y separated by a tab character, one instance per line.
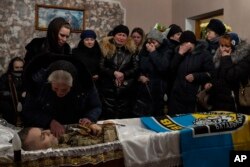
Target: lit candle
16	145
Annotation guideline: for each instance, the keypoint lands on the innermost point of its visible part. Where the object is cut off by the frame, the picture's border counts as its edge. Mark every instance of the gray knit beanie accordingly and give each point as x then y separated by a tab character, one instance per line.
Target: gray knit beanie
156	35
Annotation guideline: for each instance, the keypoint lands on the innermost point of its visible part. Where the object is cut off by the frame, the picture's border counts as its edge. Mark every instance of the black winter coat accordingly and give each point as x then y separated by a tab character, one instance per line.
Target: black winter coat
6	102
170	75
154	66
183	94
117	101
89	56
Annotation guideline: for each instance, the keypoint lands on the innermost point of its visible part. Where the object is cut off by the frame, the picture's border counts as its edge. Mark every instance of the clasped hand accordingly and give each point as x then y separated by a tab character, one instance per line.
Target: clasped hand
119	78
189	77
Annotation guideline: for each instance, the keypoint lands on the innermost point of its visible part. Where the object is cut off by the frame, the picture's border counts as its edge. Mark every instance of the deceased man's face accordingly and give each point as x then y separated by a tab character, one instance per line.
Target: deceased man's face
38	139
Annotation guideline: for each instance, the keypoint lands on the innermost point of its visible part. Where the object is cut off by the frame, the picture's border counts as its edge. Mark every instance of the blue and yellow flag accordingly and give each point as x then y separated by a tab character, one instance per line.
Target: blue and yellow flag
206	139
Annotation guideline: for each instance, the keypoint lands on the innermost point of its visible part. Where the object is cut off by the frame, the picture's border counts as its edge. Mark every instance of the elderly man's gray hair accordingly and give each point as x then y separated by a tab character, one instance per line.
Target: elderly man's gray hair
61	76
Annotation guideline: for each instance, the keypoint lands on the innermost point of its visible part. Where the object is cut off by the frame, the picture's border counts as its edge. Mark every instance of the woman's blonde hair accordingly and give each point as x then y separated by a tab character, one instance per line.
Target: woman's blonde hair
61	76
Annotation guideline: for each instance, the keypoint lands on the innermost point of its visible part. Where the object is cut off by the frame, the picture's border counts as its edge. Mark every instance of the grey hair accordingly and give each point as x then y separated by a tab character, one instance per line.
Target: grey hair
61	76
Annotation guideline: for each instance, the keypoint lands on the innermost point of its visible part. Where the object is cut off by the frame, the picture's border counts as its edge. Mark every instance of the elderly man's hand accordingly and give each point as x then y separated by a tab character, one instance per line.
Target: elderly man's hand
85	122
56	128
95	129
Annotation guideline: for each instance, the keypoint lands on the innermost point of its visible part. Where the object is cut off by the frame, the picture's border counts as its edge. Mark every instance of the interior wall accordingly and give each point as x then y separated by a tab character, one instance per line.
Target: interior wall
236	13
17	18
146	13
17	23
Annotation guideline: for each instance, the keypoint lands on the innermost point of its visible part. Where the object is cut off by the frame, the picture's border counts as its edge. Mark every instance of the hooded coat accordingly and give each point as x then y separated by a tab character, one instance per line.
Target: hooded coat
117	101
230	72
42	104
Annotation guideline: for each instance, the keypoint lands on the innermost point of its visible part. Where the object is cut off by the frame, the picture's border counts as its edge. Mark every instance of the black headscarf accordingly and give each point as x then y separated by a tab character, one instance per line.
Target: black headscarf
52	34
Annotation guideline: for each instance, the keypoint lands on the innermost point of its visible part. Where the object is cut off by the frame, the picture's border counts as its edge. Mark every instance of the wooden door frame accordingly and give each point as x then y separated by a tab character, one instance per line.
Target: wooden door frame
198	19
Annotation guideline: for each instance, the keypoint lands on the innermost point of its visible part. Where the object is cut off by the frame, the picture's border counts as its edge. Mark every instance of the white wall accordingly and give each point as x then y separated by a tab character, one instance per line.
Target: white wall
145	13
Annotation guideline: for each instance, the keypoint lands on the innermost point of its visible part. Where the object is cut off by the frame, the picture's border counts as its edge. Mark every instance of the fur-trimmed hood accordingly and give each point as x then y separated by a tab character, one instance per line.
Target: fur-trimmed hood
108	46
241	51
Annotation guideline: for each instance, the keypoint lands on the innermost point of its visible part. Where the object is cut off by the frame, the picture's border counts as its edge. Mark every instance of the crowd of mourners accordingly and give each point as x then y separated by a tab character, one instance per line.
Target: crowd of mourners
123	75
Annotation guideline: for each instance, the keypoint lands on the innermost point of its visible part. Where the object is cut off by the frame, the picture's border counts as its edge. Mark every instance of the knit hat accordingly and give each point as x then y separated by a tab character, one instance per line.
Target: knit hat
217	26
235	40
120	29
88	34
187	36
174	29
156	35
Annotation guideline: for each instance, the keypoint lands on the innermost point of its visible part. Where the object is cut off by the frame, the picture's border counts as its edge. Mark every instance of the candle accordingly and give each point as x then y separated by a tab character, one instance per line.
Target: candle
16	145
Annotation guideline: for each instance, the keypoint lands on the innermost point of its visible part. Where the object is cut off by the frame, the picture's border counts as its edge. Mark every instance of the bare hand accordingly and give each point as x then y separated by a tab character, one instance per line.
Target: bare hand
119	75
185	47
95	77
143	79
119	78
118	83
189	77
85	122
24	94
95	129
56	128
208	86
150	47
225	51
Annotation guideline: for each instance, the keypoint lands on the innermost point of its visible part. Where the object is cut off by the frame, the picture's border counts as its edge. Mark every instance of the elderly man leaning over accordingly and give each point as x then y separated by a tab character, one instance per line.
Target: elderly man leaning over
59	93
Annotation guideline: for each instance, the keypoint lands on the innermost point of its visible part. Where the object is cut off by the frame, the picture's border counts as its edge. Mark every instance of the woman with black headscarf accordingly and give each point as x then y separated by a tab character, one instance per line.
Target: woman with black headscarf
12	91
55	41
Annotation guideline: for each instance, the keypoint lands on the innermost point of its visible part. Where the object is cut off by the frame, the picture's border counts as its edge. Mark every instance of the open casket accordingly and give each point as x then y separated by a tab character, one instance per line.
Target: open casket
86	150
196	139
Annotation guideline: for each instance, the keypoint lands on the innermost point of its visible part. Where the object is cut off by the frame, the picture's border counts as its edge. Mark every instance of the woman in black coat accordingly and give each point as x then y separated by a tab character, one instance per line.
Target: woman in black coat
118	73
12	91
153	66
192	64
48	106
